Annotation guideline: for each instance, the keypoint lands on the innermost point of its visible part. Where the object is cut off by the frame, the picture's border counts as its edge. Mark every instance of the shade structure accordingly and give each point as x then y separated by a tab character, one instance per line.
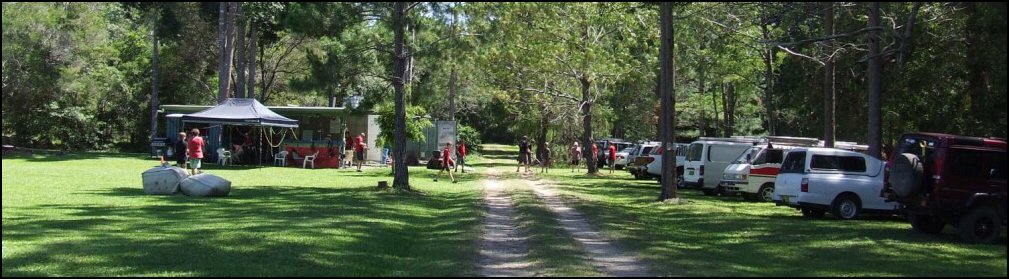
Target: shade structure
241	111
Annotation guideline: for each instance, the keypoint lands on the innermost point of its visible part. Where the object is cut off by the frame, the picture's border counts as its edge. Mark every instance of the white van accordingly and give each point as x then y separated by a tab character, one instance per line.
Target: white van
706	161
846	183
753	173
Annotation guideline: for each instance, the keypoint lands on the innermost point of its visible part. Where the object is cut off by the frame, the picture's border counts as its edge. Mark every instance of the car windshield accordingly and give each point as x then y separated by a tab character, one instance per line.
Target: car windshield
627	150
745	157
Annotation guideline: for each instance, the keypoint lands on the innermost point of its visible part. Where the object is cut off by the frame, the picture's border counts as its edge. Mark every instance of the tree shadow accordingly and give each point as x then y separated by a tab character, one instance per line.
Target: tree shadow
255	231
49	156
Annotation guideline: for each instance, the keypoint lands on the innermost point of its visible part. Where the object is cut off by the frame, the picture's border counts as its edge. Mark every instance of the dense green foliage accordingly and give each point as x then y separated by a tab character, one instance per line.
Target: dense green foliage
417	122
78	75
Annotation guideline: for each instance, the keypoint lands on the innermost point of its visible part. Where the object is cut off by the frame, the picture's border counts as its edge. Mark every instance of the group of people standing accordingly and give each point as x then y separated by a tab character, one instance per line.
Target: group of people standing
544	156
354	149
190	152
575	152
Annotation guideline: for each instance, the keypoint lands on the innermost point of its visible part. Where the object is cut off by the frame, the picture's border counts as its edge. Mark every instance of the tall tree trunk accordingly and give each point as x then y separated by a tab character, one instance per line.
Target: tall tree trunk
452	77
668	63
252	61
263	85
714	106
875	80
240	49
768	56
222	78
590	160
975	73
541	138
702	78
154	75
226	28
730	109
829	126
451	94
401	179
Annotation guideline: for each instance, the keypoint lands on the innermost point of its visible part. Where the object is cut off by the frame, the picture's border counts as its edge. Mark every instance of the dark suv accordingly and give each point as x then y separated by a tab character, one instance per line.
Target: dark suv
942	179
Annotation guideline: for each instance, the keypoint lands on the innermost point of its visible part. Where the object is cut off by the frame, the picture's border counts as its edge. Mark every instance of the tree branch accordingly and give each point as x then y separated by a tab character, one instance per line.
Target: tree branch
789	51
831	37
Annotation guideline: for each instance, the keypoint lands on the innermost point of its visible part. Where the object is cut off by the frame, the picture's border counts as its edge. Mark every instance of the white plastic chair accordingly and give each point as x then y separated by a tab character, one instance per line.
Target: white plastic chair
223	156
310	159
281	158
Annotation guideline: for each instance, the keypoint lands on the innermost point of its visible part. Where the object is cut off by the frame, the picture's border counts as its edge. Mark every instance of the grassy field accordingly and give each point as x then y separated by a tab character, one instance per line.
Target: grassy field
86	215
726	236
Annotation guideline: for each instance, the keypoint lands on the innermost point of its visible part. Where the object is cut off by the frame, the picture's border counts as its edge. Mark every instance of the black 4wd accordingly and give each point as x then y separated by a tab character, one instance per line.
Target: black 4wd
942	179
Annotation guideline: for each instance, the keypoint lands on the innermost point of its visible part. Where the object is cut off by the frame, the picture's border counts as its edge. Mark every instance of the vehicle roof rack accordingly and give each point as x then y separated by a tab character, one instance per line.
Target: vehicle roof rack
742	139
794	141
853	146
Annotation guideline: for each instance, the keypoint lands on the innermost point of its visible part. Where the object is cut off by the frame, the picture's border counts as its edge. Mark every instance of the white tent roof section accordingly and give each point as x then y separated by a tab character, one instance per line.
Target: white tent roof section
241	111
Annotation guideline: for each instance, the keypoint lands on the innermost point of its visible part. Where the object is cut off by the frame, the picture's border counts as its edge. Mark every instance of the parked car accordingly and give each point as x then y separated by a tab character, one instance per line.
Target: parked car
706	161
654	167
941	179
816	180
635	166
753	173
622	156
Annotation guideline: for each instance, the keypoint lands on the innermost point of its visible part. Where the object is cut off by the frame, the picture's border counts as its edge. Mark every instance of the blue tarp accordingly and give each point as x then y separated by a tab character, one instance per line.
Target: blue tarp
241	111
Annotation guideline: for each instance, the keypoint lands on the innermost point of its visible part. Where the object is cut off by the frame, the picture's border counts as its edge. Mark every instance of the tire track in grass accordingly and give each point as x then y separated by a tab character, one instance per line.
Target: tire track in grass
503	248
604	254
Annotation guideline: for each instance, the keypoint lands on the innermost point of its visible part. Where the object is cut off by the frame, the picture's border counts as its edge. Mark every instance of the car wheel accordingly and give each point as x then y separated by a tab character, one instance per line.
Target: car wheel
813	213
719	190
846	207
926	223
766	192
980	225
709	192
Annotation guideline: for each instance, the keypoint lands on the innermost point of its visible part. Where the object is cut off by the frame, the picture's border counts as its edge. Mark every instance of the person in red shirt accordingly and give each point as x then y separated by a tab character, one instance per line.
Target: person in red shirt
446	161
613	156
461	154
359	148
196	151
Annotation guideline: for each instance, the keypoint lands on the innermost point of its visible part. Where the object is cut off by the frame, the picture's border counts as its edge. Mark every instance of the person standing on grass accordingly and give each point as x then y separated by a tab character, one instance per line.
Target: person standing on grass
524	154
348	151
196	151
576	155
613	156
461	154
545	158
181	151
359	148
446	162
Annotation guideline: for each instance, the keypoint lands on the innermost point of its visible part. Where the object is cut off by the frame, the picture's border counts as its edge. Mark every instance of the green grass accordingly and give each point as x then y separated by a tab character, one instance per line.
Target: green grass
725	236
86	215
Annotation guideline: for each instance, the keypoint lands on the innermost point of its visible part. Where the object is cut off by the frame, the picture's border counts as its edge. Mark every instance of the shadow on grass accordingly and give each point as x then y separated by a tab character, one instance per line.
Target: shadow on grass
746	239
256	231
57	157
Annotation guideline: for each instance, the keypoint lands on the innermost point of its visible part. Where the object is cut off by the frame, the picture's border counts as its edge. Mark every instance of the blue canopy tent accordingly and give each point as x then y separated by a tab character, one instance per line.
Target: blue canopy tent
237	112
